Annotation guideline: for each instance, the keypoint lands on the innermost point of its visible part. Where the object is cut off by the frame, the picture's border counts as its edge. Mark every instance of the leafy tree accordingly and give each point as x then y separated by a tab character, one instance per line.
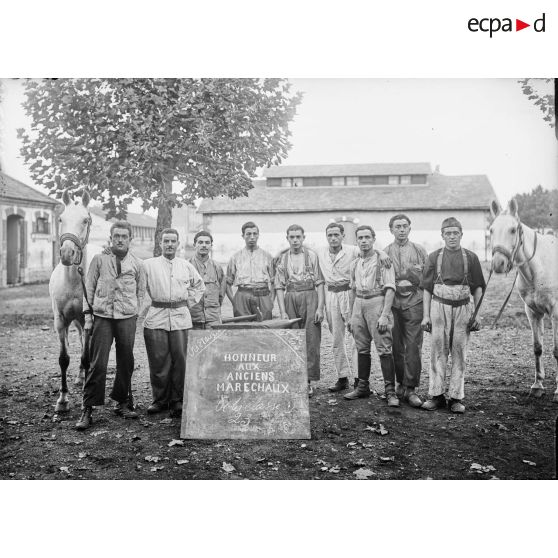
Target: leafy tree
538	209
545	102
132	138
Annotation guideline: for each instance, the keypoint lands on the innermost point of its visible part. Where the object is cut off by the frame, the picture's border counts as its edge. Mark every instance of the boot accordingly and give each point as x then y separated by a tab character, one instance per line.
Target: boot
123	410
388	372
340	385
362	387
86	420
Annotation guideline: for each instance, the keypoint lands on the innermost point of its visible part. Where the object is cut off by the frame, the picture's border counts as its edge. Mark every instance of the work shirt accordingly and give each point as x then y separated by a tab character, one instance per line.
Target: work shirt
452	272
112	292
336	268
208	309
249	268
408	264
294	268
173	280
364	273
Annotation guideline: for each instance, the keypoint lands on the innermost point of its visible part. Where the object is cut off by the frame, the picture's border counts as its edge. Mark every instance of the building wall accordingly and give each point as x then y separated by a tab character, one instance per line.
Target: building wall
226	228
36	255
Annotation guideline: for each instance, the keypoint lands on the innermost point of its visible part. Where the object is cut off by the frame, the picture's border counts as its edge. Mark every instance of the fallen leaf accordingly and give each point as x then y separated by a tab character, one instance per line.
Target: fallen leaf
386	459
118	435
324	469
227	467
334	469
77	442
478	468
166	421
351	444
154	469
82	455
363	474
532	463
175	443
303	445
359	463
260	460
332	401
99	432
381	430
152	458
65	469
182	461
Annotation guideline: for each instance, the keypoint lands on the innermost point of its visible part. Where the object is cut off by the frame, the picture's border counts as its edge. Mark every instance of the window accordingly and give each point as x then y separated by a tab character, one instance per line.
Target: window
365	180
392	180
406	179
418	179
317	181
338	181
286	182
274	182
352	181
41	226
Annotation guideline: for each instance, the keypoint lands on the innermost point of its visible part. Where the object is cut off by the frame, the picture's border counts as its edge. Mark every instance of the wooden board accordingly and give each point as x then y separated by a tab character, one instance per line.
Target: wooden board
246	385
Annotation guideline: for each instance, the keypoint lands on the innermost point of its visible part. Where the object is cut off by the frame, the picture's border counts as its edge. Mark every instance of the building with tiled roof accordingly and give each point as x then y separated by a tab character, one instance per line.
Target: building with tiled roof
315	195
27	233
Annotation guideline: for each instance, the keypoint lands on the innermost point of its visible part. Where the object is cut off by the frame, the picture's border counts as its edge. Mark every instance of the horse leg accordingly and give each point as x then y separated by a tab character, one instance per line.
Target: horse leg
84	363
537	326
555	334
63	405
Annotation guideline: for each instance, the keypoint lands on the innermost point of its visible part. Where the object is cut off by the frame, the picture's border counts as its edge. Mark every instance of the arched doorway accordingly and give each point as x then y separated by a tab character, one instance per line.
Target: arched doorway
16	245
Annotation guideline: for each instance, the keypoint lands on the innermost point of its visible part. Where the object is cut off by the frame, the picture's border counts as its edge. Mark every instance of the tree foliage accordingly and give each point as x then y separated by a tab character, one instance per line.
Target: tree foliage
544	101
125	139
538	209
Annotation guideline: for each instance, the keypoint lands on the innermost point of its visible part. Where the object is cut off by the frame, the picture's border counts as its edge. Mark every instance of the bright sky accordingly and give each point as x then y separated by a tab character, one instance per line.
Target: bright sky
467	126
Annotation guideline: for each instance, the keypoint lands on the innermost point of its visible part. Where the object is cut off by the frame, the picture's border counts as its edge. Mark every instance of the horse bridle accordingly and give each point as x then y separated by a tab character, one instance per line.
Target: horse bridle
519	242
77	241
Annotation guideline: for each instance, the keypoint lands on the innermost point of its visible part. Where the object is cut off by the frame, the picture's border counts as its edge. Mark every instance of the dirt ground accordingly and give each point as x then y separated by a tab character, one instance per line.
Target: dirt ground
504	434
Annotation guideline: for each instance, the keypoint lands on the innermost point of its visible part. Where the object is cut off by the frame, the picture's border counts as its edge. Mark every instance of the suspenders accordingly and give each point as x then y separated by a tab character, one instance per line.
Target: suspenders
439	266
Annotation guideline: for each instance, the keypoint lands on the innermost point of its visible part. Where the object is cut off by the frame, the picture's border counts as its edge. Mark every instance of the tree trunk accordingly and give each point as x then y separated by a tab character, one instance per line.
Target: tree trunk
164	214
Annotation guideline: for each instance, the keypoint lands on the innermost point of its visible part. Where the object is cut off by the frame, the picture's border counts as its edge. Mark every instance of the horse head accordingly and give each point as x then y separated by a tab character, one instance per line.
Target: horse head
75	223
505	236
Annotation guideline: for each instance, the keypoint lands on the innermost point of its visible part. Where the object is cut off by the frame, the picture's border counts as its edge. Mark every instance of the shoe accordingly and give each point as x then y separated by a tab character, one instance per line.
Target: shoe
456	406
437	402
86	420
124	411
392	400
361	390
340	385
176	410
310	391
155	408
400	391
413	399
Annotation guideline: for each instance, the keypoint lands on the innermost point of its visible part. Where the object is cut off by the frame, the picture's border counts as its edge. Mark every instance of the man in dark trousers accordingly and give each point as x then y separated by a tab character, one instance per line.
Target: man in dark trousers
251	271
174	285
451	275
115	286
300	294
207	312
408	260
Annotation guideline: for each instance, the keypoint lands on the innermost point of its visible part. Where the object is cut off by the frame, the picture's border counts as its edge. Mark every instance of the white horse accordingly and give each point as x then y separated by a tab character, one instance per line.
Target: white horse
536	258
65	287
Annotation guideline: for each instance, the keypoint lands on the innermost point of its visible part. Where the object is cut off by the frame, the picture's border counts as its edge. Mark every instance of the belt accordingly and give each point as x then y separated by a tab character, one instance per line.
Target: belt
255	291
167	304
365	296
450	302
299	286
338	288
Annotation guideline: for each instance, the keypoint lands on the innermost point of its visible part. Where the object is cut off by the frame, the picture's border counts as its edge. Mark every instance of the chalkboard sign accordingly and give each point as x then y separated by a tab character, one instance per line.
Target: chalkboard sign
246	385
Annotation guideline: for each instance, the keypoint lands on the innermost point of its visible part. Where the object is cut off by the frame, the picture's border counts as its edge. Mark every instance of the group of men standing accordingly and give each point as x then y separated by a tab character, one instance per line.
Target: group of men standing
367	296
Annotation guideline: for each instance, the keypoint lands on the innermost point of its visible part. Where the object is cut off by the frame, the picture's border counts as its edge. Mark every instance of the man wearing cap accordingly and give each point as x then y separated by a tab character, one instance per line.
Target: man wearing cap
173	285
207	312
373	289
451	275
251	271
408	261
300	294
